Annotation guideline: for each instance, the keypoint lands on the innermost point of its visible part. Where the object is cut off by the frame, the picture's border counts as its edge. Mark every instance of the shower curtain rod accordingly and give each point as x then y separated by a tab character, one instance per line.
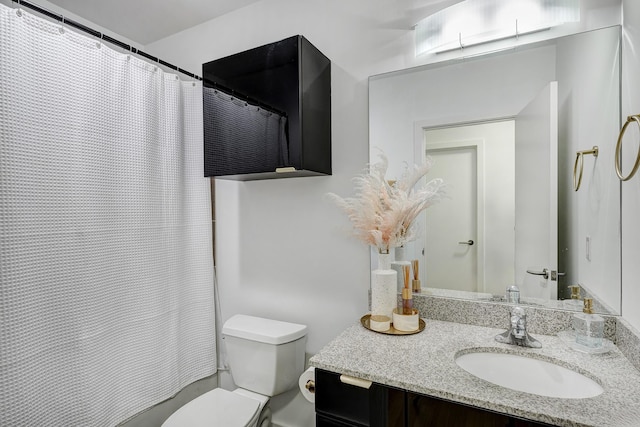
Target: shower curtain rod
123	45
101	36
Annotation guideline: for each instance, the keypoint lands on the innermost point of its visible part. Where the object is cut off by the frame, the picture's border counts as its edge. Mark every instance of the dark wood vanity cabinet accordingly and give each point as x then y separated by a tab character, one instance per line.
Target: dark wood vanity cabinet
426	411
345	405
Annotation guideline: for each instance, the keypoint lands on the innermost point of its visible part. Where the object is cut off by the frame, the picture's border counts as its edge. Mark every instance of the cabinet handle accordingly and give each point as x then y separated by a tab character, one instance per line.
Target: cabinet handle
355	381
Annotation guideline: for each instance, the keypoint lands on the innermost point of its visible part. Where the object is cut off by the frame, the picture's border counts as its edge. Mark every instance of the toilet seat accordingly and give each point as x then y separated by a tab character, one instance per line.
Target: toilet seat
217	407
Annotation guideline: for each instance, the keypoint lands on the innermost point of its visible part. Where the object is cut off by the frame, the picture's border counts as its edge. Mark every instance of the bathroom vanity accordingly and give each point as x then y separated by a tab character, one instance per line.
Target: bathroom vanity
415	381
343	404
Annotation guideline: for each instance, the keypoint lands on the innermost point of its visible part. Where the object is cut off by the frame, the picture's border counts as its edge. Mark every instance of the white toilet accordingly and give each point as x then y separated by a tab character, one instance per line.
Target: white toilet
266	357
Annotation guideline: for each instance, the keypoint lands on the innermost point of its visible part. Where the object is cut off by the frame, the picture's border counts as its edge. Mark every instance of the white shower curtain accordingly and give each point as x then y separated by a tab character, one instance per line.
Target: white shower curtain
248	138
106	269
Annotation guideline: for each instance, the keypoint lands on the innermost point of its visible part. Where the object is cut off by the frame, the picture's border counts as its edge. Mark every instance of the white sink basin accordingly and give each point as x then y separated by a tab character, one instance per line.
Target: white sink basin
528	375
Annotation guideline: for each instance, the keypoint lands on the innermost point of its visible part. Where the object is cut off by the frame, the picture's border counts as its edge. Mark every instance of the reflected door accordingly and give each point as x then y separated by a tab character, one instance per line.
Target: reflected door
536	156
451	250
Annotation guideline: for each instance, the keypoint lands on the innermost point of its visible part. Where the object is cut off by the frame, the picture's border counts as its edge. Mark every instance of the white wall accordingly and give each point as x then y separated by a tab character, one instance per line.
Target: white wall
589	117
283	250
281	245
631	189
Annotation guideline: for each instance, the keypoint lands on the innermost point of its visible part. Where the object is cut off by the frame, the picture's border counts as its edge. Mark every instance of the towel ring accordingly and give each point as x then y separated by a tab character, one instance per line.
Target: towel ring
618	159
580	160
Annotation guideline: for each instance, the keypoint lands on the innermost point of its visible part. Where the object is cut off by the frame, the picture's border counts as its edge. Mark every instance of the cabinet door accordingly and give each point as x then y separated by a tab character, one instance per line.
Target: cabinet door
425	411
377	406
324	421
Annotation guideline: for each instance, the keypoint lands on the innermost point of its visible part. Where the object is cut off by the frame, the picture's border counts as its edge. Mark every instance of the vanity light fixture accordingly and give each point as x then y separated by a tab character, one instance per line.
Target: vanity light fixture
474	22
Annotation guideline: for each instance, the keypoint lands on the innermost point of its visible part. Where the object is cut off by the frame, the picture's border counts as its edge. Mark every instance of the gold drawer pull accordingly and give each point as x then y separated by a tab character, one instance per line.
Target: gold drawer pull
355	381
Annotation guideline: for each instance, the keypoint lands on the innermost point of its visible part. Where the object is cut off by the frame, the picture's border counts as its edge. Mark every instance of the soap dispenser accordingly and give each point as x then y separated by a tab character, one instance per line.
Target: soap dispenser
513	294
575	303
589	327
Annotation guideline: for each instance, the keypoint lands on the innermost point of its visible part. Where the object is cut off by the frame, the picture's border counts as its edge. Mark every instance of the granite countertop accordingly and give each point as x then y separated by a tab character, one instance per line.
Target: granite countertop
424	363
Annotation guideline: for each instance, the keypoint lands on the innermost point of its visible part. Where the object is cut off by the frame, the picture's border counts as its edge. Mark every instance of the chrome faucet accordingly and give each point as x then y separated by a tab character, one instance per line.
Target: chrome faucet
517	334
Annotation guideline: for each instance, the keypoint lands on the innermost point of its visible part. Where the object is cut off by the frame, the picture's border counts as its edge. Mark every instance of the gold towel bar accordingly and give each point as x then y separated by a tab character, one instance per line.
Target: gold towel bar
579	160
618	159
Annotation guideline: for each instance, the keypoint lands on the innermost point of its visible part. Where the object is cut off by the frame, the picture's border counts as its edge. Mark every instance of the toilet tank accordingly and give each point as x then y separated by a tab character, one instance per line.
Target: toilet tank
265	356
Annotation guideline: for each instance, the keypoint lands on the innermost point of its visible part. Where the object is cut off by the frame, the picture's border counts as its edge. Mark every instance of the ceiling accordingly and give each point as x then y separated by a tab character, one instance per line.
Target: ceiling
146	21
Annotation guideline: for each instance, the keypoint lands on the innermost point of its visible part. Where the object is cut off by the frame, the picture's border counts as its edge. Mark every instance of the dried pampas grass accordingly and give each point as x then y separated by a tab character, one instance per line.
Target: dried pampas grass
383	212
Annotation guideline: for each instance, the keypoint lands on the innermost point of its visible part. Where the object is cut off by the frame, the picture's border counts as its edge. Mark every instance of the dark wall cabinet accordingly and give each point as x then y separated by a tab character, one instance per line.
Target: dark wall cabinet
340	404
268	109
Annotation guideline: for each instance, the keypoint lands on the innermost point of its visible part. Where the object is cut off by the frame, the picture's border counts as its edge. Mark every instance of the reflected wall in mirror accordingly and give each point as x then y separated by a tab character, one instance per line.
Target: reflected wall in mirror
530	227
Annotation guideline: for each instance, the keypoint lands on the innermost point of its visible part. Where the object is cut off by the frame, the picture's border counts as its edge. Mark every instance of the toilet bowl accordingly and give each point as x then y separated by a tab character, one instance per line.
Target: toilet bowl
266	357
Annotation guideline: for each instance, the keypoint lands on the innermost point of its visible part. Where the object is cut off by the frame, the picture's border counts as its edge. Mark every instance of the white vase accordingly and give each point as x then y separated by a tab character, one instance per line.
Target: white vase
383	287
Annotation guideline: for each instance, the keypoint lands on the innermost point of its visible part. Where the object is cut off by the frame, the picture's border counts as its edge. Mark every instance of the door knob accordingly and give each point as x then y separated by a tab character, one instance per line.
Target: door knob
468	242
544	273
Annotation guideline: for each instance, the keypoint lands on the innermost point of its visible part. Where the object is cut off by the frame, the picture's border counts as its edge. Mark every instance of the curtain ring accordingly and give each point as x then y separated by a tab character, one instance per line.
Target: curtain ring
580	160
618	158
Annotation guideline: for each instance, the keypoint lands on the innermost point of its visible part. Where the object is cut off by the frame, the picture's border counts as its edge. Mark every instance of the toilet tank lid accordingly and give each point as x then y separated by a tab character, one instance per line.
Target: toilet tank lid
263	330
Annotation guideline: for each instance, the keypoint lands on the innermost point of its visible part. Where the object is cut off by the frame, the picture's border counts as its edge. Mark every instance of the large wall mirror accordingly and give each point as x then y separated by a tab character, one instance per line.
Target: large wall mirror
504	131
